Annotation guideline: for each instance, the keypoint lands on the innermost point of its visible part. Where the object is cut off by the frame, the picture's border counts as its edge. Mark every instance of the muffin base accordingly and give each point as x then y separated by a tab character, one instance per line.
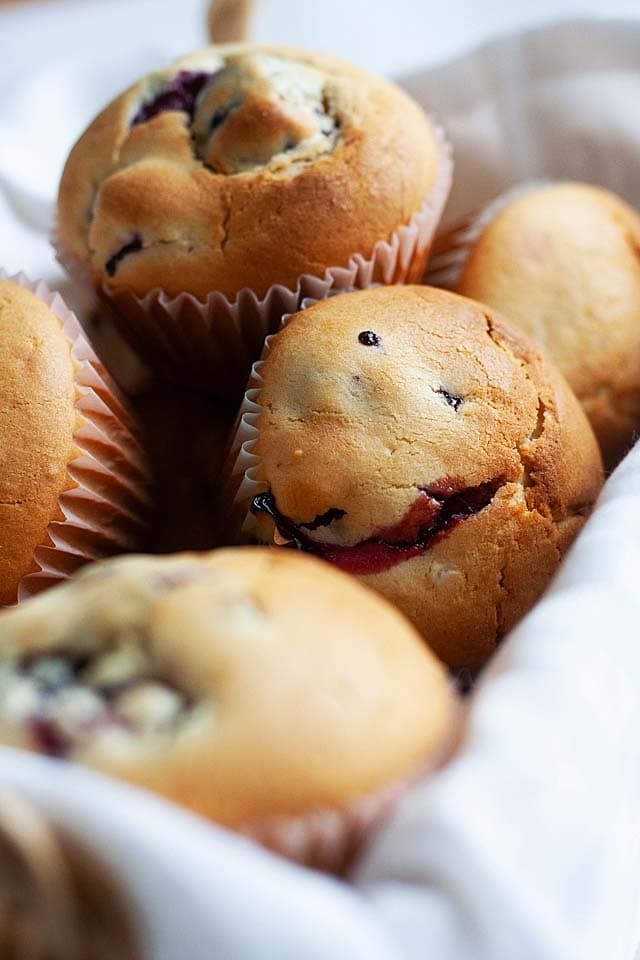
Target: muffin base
326	839
331	839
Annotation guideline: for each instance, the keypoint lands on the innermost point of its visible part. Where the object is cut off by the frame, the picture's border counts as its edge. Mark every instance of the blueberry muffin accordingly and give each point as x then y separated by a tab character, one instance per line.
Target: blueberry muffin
245	684
562	262
247	168
73	480
243	166
413	438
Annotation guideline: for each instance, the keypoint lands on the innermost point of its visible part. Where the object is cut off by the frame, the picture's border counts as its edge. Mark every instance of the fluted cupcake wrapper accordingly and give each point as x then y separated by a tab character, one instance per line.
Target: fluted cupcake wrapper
211	345
239	478
330	839
105	508
240	475
451	247
326	839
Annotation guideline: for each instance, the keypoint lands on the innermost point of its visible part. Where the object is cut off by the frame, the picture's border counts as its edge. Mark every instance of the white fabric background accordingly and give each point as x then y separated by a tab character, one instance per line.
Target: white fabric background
527	847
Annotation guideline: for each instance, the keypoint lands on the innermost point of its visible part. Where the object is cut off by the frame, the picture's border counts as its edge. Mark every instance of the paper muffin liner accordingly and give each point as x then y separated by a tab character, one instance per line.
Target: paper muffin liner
330	839
240	482
239	477
211	345
106	507
451	247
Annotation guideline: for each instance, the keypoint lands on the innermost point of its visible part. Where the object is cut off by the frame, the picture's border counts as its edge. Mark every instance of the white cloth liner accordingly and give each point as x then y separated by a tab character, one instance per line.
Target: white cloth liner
527	846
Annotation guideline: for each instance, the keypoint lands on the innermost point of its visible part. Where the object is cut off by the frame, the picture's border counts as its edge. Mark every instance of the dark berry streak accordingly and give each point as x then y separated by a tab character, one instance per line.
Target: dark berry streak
133	246
438	509
180	93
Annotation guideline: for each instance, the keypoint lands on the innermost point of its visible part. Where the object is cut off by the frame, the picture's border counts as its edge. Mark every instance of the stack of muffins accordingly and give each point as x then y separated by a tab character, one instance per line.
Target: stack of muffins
267	213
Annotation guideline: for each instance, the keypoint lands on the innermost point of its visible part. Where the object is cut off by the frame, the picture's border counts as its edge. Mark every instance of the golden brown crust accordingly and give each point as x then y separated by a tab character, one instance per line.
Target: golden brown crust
37	421
202	230
363	429
312	691
562	262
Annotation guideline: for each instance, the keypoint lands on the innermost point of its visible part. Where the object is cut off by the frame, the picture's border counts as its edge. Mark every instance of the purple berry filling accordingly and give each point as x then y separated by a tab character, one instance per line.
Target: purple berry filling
47	739
133	246
42	721
369	339
438	509
180	93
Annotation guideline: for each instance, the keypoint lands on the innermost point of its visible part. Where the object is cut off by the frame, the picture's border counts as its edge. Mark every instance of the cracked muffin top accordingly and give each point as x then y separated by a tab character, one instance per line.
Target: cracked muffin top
414	438
37	423
243	166
562	261
239	683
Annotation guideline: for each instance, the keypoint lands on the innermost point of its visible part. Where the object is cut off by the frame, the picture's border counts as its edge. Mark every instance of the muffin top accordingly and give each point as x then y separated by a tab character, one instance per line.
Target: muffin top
562	262
37	422
391	415
243	166
241	682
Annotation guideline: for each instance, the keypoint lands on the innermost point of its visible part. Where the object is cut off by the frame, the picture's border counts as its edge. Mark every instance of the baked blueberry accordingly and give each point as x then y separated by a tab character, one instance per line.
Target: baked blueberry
178	93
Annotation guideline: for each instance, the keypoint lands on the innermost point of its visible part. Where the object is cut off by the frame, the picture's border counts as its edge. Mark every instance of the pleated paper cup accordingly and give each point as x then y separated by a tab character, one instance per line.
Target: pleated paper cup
240	479
212	344
105	508
331	839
